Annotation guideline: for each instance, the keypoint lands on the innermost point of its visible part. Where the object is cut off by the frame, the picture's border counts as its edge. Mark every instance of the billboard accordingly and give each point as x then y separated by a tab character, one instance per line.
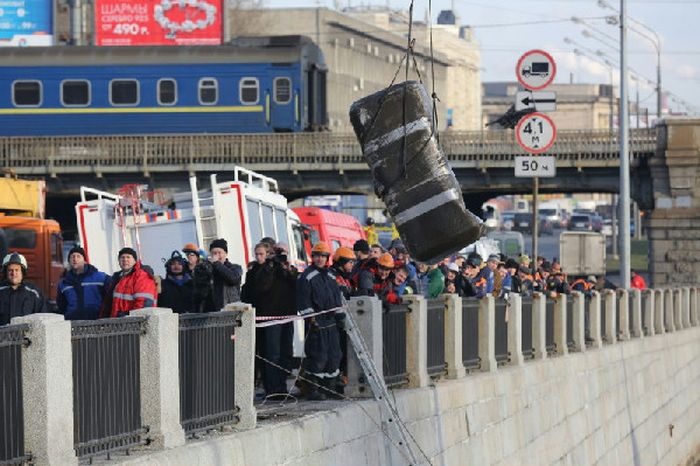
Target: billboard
26	22
158	22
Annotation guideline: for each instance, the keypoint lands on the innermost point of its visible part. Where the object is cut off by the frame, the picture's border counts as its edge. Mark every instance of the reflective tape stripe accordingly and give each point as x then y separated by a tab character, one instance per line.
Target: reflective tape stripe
69	287
126	297
144	295
395	134
306	311
426	206
312	275
93	283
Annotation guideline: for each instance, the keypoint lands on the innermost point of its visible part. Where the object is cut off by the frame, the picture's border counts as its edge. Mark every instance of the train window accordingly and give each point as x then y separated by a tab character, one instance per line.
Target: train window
167	92
75	93
26	93
124	92
208	91
248	91
283	90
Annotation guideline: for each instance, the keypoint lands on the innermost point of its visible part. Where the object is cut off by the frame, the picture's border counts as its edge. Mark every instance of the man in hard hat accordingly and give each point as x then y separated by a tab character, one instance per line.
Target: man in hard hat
17	298
132	287
383	280
318	291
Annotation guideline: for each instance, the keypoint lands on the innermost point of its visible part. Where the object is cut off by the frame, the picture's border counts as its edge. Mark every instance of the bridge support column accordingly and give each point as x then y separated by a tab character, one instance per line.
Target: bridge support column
560	325
649	297
685	303
610	302
160	397
487	334
659	312
594	320
366	312
453	337
417	341
578	325
669	311
515	329
539	332
624	312
636	313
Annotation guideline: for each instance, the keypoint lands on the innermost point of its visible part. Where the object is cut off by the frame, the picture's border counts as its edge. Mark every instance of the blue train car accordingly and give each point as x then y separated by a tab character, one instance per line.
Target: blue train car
253	85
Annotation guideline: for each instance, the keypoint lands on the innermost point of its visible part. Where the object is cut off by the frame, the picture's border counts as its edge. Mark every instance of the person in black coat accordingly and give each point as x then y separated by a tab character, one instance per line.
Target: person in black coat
177	288
18	298
217	281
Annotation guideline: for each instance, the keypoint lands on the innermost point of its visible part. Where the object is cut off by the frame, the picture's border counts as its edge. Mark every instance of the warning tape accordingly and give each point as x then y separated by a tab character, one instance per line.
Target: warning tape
269	321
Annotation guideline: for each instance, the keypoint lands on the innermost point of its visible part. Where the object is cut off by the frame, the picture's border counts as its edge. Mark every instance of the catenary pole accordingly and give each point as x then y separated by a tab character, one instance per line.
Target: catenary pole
624	204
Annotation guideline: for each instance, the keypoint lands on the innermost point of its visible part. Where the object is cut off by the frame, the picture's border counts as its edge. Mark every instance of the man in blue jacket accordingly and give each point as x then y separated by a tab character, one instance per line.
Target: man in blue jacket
82	288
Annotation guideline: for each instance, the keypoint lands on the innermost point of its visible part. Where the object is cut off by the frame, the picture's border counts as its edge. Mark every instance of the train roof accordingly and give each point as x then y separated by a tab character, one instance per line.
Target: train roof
266	49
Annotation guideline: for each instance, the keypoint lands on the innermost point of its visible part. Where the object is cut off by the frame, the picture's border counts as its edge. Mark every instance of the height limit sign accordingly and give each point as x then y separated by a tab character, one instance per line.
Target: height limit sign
536	133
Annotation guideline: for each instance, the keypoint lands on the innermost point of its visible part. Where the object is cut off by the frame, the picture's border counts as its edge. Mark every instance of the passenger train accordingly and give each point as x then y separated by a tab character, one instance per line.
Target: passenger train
252	85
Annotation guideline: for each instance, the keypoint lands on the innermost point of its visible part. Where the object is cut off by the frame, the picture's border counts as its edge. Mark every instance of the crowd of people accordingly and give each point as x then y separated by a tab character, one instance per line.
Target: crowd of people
196	282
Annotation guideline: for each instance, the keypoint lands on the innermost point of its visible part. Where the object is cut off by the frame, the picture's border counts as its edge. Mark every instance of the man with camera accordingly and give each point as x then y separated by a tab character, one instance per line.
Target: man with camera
275	287
217	281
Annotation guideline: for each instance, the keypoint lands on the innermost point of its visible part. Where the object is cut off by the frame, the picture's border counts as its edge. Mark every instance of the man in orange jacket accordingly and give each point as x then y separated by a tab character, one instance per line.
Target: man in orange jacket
132	287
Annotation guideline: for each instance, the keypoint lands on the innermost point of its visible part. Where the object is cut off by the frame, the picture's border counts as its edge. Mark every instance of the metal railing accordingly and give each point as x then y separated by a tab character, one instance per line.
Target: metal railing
206	361
570	344
107	385
528	350
394	340
297	151
550	346
436	337
11	400
603	319
470	333
501	331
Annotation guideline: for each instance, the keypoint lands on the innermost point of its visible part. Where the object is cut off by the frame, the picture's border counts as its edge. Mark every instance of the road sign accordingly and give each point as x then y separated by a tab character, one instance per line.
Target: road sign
540	101
536	132
536	70
535	166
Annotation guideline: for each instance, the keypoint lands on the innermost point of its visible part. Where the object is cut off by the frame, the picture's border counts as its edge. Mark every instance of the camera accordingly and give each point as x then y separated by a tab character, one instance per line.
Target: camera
280	256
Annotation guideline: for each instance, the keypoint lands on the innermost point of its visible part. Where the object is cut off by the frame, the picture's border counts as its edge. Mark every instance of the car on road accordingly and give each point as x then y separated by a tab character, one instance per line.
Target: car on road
507	219
551	215
580	222
607	227
522	222
546	227
597	223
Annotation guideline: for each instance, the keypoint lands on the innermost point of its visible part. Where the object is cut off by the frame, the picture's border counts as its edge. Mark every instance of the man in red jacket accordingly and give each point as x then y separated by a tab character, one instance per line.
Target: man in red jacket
638	281
132	287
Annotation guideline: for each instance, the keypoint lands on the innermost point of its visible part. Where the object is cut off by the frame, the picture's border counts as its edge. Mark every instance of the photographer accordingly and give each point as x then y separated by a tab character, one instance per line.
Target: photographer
275	287
217	281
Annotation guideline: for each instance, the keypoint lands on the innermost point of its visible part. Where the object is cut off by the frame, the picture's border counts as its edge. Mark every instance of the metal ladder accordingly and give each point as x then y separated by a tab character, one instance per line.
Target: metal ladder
389	412
204	214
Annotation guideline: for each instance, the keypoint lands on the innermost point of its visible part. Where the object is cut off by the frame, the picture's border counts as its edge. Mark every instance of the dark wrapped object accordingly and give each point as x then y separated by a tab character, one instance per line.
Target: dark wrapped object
410	172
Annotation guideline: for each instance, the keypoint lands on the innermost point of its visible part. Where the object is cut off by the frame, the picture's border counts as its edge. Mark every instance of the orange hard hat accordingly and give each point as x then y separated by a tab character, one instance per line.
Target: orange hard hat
386	261
190	247
343	253
321	248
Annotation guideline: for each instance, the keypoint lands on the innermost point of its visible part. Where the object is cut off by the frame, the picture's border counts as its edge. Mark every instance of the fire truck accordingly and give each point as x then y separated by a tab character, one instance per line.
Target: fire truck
242	211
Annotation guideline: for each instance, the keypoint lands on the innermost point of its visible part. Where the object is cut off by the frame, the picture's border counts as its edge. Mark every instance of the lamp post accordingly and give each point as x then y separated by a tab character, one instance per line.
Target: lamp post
624	155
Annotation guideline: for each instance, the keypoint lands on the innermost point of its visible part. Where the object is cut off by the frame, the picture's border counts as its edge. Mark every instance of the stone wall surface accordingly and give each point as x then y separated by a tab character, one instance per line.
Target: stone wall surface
633	403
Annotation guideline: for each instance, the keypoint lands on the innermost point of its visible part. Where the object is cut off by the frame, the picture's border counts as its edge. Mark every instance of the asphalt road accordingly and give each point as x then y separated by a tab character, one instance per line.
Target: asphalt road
548	245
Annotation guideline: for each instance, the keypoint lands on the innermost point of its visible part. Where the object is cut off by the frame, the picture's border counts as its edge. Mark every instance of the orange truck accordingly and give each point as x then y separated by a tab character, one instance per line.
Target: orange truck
334	228
24	229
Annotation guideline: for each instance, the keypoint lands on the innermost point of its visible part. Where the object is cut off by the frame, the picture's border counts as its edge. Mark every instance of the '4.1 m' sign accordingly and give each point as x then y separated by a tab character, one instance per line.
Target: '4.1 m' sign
536	133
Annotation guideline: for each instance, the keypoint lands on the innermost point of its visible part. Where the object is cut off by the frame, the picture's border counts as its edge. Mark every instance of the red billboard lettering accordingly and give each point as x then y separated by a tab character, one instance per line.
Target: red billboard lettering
158	22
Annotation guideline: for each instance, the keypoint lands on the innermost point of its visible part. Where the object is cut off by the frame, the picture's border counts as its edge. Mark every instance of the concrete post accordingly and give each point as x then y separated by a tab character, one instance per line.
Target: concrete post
417	341
623	309
649	318
685	309
560	325
636	313
160	397
659	312
669	311
366	313
487	333
695	306
453	337
47	390
577	314
678	308
539	332
244	360
610	316
515	329
594	320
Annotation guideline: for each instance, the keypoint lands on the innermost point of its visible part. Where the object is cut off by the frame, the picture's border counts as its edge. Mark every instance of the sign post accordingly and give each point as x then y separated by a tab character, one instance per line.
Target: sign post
535	132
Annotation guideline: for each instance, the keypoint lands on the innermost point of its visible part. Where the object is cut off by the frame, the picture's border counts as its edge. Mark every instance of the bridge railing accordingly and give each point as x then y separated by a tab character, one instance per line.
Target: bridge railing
293	151
12	450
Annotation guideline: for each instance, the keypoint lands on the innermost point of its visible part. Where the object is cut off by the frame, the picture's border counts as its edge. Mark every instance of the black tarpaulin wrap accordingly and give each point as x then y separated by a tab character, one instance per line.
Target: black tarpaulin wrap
410	172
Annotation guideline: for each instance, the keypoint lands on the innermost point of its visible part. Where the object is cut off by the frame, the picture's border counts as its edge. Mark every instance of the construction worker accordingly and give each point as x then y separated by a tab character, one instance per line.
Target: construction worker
318	291
132	287
343	265
384	287
585	286
371	231
82	288
17	298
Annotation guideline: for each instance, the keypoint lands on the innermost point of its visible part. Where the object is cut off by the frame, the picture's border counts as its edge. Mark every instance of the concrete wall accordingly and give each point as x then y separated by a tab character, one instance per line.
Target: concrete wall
636	402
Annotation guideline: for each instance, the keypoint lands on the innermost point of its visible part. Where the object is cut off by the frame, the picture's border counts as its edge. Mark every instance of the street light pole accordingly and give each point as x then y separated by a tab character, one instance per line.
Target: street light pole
624	156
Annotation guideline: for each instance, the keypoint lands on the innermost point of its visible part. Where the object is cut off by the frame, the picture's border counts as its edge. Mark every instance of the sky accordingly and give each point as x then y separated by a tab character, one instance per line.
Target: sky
504	29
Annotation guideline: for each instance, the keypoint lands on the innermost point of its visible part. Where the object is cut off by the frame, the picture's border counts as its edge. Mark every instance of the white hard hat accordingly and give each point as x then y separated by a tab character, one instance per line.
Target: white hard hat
15	258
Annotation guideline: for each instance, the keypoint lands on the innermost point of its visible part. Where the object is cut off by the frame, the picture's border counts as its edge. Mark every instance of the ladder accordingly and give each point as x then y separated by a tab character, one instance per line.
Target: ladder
204	212
388	410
